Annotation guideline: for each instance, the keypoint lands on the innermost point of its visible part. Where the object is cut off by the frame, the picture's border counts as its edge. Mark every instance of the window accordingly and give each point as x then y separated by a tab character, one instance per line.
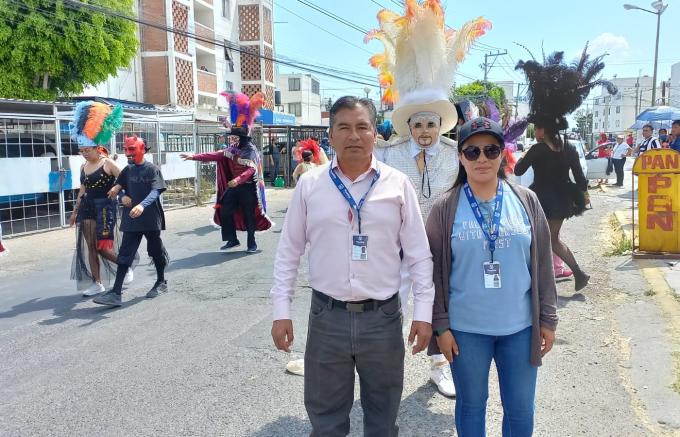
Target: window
596	125
618	109
267	14
618	96
597	101
607	99
618	123
596	113
609	111
226	9
229	86
295	108
315	87
228	57
293	84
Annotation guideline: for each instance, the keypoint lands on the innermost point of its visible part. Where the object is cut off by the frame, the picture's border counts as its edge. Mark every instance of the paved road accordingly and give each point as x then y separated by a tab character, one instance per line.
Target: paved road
199	360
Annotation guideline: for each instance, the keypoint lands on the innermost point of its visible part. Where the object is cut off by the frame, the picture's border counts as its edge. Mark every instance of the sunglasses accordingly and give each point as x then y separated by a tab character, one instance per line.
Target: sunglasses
491	151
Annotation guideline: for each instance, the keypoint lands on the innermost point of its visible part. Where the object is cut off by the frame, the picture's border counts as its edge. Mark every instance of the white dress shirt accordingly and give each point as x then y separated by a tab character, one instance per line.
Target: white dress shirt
319	216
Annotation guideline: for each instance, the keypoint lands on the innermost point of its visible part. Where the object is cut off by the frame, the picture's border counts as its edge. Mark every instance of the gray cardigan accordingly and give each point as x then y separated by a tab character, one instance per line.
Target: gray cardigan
543	290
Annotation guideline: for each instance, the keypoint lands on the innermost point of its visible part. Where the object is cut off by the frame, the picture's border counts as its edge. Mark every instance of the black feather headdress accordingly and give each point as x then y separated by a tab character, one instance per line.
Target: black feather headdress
556	88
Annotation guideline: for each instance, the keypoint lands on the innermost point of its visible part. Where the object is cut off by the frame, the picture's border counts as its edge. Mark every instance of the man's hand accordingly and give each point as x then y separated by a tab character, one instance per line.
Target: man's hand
232	183
448	346
72	219
423	332
186	156
136	211
126	201
113	192
547	340
282	333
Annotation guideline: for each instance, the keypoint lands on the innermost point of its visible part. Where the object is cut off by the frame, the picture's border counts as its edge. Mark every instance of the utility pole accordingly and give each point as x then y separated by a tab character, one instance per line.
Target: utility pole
637	96
488	67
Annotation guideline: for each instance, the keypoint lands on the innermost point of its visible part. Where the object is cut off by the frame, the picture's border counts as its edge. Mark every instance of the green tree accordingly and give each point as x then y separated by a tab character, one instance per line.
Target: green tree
478	93
584	122
52	48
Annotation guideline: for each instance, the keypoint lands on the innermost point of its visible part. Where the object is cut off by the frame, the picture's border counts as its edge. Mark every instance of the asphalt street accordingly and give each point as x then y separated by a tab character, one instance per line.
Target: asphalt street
200	361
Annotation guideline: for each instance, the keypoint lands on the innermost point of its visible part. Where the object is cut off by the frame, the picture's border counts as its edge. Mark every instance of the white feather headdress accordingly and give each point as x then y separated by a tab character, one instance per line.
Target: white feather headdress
420	59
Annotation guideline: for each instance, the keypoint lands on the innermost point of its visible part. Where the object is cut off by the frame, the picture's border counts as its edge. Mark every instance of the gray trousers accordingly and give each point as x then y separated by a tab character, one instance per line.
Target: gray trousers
338	341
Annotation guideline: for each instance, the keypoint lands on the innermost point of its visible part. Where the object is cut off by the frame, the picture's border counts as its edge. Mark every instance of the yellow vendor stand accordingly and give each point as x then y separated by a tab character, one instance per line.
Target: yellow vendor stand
658	172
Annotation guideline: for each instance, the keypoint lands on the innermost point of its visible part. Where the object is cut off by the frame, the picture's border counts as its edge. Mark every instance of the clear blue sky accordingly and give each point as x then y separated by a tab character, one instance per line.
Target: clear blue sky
628	36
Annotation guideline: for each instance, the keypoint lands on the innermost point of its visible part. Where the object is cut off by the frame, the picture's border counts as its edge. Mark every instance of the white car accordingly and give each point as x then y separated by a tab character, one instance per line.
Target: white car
592	166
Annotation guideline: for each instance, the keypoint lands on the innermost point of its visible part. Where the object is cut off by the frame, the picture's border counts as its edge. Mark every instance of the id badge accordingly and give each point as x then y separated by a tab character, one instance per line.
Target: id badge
359	247
492	274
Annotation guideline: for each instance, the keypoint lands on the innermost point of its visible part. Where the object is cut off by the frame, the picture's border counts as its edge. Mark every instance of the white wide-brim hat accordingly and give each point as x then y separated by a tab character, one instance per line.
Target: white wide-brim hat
424	101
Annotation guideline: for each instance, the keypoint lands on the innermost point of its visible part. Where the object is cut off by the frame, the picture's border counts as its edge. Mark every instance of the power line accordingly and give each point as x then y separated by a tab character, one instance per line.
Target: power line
333	16
77	5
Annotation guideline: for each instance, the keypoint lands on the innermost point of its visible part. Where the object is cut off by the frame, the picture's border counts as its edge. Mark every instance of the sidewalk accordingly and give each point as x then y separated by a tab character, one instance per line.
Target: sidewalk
654	345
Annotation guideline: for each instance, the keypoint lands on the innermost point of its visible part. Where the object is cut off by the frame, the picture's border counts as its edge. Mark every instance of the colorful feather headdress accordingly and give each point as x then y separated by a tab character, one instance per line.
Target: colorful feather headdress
557	88
94	123
243	109
420	59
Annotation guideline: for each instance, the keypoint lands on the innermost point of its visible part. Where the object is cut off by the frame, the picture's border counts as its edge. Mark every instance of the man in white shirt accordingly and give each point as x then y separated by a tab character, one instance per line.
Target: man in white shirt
649	141
619	153
355	214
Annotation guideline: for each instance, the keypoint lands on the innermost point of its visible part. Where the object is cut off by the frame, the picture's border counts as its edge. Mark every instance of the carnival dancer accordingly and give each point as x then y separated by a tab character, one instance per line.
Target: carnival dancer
242	205
417	71
143	216
318	154
306	165
557	89
94	261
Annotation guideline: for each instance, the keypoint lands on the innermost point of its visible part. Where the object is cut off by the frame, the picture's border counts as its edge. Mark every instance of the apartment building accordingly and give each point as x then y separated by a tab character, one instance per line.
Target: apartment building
301	97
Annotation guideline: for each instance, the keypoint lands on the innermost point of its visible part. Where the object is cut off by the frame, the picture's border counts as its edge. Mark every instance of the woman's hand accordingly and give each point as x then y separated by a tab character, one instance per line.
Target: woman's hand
448	346
72	219
547	340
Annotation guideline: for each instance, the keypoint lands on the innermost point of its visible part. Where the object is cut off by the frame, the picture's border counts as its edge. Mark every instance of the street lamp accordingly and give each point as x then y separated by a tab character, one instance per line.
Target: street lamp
660	8
367	90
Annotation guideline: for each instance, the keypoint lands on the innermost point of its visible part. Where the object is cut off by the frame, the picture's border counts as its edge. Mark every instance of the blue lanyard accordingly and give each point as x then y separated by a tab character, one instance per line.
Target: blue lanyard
490	234
348	196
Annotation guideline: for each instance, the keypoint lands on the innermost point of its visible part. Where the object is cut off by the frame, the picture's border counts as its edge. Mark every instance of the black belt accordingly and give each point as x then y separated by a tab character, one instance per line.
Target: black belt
358	306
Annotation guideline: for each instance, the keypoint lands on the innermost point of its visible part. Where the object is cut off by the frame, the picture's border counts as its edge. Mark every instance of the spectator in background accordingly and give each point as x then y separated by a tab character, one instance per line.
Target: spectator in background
663	138
674	141
649	141
621	150
630	140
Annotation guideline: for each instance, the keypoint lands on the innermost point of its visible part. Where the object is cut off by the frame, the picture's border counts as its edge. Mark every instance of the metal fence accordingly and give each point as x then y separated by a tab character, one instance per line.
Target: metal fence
40	165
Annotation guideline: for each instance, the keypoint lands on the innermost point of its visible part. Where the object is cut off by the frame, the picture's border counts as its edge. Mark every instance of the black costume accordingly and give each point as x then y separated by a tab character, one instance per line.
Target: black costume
138	181
100	211
559	196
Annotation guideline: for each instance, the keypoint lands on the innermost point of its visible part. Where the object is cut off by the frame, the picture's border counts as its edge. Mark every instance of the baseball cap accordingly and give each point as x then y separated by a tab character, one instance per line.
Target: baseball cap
480	125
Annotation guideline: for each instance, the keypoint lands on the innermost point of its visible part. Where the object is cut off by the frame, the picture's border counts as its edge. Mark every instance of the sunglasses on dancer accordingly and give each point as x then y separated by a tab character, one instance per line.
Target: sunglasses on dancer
491	151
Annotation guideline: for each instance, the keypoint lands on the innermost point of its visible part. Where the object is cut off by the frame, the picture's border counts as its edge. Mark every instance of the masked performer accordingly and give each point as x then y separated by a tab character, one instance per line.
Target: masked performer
243	205
417	70
142	184
94	262
557	89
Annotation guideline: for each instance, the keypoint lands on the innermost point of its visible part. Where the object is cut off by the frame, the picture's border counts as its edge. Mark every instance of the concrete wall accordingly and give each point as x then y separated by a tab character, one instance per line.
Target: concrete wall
310	102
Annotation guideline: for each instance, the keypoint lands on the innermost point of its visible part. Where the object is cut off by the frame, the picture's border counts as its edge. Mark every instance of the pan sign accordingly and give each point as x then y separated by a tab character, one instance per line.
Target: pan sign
658	172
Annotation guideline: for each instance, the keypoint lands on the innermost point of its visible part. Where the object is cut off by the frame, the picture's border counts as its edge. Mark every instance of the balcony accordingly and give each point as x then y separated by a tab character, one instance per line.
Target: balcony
207	82
207	33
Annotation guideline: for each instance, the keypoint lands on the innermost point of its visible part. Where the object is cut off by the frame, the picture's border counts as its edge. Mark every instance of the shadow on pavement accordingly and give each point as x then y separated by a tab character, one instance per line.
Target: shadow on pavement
205	230
563	301
63	309
205	259
286	425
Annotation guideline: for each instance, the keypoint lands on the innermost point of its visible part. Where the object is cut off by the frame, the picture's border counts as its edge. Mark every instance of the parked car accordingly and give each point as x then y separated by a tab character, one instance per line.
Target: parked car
592	166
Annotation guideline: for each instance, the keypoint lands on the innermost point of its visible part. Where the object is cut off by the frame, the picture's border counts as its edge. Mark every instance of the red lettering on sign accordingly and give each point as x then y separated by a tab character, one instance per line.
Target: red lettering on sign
657	162
672	161
660	212
646	161
656	182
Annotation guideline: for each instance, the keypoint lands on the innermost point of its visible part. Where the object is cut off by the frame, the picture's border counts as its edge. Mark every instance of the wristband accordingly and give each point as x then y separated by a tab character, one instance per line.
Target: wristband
440	331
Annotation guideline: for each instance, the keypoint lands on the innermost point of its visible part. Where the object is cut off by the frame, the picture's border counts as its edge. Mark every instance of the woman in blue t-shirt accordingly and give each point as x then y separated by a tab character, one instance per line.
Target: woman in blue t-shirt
495	295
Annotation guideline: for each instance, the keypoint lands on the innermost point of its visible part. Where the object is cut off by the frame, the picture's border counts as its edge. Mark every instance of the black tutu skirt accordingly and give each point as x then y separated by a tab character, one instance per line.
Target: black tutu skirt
561	201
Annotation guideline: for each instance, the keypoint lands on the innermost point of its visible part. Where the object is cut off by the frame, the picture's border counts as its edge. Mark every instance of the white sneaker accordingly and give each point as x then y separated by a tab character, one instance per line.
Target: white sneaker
129	277
296	367
441	377
94	289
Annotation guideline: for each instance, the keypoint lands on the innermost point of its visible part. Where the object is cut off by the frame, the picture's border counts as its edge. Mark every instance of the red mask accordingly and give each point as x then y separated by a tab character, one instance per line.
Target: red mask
134	149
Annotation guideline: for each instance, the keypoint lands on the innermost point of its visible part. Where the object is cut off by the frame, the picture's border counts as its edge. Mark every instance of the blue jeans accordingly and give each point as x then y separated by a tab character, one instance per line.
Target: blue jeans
516	377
